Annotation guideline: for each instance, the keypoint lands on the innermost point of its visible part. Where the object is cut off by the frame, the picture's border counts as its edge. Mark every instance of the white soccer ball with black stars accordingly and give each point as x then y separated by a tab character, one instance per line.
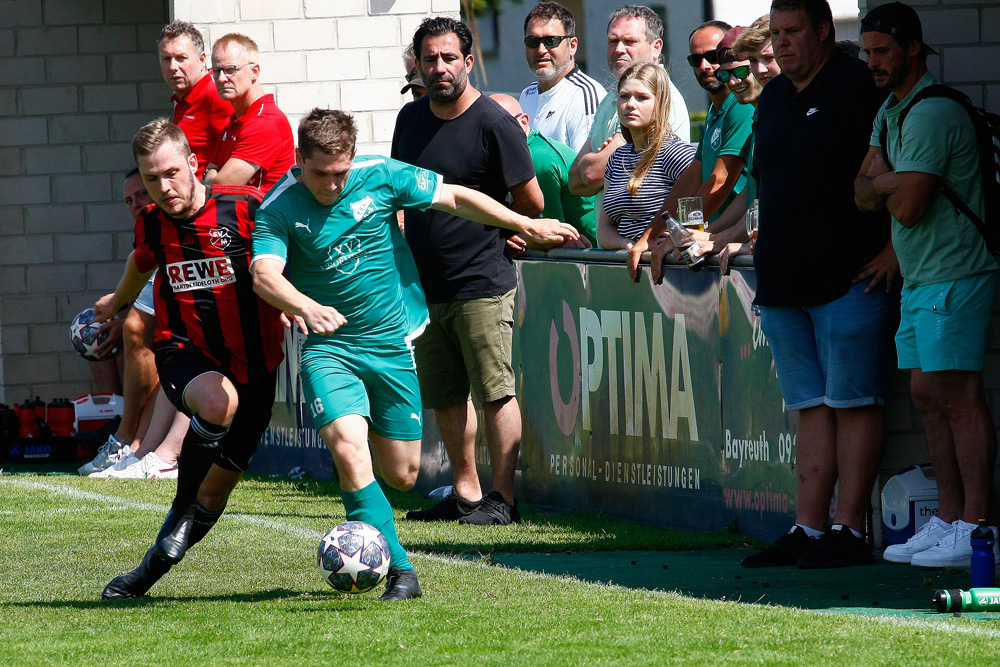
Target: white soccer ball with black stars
353	557
83	332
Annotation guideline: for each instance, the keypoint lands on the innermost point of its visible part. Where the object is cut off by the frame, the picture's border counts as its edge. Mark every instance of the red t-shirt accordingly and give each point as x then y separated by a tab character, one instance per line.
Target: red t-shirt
261	136
203	290
203	116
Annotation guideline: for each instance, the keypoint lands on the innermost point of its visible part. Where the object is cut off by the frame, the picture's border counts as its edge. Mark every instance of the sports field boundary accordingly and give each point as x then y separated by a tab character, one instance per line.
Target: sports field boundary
939	623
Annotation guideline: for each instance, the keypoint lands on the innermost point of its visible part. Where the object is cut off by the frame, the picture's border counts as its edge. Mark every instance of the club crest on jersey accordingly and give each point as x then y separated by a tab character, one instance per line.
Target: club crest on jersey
220	238
362	208
200	274
716	137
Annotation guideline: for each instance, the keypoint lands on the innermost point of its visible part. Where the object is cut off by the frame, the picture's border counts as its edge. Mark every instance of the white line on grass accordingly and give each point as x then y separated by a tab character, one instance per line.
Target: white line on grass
305	533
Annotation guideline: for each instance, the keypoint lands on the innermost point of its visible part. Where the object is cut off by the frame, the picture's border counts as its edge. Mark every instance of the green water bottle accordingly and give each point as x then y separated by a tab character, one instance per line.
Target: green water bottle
974	599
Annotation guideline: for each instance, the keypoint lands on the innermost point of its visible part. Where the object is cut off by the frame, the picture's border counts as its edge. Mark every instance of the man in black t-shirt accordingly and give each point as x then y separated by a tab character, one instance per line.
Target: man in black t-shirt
820	262
468	279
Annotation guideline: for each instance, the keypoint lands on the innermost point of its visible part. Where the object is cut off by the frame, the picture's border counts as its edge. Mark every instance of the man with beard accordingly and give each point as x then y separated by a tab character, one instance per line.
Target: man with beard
949	277
718	172
562	102
217	344
635	35
468	280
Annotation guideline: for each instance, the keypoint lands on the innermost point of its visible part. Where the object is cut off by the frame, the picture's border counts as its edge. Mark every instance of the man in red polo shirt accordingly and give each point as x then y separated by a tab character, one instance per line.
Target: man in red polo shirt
198	109
257	147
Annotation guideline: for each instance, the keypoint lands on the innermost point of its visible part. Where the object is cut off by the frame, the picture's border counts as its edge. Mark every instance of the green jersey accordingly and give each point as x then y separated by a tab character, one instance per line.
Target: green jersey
349	255
726	132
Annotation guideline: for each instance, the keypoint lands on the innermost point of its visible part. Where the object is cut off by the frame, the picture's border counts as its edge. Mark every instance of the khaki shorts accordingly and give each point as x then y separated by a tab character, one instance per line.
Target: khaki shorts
467	346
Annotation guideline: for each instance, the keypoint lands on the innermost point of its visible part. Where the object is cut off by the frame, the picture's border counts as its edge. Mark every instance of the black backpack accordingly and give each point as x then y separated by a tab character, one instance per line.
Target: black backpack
987	126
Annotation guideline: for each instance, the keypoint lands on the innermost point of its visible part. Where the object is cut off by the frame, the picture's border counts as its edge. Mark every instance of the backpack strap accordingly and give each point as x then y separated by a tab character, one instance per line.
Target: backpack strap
935	90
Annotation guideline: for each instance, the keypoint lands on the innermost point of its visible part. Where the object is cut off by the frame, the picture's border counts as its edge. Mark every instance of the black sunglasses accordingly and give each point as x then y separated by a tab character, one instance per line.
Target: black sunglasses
740	72
695	58
550	42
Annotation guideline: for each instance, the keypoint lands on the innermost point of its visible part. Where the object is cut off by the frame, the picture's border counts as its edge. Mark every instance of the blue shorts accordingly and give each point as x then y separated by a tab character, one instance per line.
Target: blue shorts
144	302
378	383
833	354
943	326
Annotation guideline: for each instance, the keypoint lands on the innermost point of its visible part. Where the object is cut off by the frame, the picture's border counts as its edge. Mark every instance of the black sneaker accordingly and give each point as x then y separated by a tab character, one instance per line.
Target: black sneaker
134	584
786	550
837	548
401	585
493	511
452	508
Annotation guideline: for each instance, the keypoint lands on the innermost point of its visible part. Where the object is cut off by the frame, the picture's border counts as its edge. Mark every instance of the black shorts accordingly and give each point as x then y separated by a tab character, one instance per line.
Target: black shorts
179	366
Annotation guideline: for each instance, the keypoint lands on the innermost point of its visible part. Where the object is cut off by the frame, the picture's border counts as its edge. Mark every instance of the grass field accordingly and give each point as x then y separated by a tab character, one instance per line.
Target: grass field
250	594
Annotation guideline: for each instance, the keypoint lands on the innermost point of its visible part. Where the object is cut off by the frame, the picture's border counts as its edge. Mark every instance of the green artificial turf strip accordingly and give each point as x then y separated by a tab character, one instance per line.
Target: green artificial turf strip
250	594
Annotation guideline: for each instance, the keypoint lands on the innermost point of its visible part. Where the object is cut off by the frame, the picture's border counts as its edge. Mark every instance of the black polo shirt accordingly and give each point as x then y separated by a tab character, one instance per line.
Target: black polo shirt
810	145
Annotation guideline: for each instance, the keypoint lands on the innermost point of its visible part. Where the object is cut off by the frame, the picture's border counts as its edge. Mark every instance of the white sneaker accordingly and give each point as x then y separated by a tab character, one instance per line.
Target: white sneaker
153	467
924	539
103	458
121	461
130	467
953	549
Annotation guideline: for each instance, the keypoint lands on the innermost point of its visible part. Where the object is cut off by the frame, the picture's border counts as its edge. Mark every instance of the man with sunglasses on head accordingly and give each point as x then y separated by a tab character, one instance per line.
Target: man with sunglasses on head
718	172
257	148
561	104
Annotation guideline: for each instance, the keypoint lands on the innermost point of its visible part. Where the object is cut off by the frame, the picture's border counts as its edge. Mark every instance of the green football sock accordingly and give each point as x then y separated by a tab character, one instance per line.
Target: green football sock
370	505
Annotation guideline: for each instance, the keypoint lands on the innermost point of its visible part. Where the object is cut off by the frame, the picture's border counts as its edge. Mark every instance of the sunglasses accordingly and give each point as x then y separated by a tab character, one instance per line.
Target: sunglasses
740	72
550	42
694	60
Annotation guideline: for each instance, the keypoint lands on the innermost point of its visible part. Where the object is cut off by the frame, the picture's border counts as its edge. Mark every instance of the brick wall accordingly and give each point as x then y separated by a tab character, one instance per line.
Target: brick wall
79	77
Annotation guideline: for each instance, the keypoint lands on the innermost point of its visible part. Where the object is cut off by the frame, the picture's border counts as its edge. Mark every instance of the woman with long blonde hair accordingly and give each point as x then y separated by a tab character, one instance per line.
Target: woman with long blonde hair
640	174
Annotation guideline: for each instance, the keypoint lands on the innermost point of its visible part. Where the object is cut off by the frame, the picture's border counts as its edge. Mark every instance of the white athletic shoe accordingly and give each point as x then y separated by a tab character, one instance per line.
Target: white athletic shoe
103	459
924	539
122	460
953	549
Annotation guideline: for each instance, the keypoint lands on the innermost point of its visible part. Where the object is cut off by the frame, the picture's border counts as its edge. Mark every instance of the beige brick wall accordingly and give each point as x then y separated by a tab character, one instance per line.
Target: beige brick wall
78	77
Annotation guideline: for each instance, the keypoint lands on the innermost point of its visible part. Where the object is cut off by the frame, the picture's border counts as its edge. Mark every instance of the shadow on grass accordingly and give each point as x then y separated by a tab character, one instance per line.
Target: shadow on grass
280	594
540	531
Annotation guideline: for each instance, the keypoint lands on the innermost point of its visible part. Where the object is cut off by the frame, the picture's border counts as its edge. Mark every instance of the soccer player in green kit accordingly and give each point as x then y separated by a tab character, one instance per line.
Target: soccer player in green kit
351	289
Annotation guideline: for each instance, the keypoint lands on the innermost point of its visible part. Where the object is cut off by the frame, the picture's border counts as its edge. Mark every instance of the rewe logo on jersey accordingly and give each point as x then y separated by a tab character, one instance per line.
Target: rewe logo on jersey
361	208
200	274
220	238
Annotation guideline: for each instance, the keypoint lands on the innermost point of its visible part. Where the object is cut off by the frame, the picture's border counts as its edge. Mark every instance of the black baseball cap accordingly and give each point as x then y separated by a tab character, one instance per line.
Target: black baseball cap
900	21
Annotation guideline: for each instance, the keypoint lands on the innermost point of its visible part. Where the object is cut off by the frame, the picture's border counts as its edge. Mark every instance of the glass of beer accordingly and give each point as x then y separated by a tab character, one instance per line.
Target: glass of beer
753	221
690	213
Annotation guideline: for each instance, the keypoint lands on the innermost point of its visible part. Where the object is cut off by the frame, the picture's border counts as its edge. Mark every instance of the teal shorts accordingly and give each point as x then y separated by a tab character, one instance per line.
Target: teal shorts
943	326
380	384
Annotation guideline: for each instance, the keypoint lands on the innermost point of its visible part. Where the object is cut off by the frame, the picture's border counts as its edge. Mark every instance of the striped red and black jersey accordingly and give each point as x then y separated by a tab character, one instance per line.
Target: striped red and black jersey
204	291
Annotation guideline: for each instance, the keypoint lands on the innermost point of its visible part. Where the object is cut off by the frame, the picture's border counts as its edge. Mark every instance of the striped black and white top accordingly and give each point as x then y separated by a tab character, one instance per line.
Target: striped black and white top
631	213
566	111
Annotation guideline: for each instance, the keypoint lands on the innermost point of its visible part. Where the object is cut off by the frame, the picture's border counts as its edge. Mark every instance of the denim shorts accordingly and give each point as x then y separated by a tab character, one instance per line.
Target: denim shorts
833	354
943	326
144	302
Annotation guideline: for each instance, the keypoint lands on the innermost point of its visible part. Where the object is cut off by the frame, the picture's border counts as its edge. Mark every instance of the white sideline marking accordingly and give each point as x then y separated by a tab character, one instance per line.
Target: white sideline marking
116	502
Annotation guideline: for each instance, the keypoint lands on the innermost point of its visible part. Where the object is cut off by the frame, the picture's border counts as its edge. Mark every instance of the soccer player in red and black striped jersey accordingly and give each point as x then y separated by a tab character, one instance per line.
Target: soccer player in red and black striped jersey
217	344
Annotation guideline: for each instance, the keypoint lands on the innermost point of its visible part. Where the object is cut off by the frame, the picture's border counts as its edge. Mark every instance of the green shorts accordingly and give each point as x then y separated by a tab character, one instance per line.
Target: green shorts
943	326
467	346
380	384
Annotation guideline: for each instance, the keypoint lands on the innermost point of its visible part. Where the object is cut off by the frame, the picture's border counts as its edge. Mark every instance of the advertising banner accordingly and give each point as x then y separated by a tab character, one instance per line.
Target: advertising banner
656	403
